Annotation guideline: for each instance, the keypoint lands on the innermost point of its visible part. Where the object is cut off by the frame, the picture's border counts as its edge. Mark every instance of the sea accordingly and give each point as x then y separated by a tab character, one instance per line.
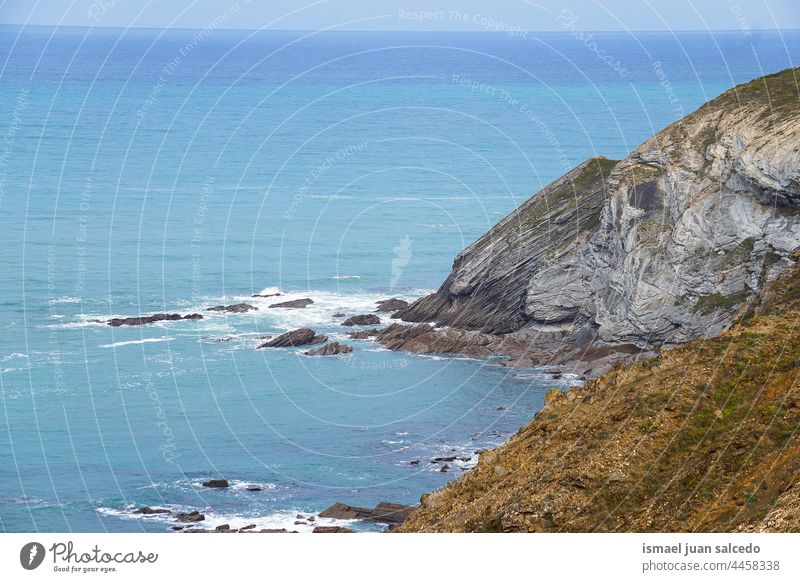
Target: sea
148	170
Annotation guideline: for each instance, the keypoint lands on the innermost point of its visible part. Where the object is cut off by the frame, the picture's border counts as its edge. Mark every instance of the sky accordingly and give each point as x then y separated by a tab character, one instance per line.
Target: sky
424	15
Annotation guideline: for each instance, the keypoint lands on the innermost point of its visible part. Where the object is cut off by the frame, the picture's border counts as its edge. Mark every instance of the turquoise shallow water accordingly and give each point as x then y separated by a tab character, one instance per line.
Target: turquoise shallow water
149	170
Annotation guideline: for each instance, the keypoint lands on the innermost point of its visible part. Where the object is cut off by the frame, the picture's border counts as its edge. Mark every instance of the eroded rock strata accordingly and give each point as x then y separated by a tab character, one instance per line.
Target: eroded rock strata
623	257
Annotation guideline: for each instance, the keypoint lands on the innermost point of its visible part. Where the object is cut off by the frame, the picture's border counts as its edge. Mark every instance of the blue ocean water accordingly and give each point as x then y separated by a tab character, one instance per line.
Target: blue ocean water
144	171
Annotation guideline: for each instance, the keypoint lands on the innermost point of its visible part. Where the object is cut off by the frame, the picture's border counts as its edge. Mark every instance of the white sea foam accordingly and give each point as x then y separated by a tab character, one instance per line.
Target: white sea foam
282	519
149	340
326	304
344	277
238	485
64	299
329	197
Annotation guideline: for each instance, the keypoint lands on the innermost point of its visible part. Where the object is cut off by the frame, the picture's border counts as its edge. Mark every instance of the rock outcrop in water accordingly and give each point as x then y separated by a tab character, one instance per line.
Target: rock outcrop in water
147	319
368	319
620	257
235	308
298	337
293	304
384	512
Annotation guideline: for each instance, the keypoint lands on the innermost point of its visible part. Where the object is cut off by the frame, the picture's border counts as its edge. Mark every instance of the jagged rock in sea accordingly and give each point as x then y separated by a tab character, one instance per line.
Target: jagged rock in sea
216	483
294	304
383	512
368	319
190	516
363	333
298	337
146	319
235	308
331	349
622	257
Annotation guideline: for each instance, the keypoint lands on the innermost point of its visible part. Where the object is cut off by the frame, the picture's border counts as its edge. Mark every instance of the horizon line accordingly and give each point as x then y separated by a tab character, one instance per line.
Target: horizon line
444	30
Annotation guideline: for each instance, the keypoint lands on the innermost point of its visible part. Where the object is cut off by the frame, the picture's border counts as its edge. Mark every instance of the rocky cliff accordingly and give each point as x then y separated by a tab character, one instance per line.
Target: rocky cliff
620	257
687	248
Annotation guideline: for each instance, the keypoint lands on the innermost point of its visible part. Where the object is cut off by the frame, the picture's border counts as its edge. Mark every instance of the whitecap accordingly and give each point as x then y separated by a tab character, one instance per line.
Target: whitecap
64	299
281	519
149	340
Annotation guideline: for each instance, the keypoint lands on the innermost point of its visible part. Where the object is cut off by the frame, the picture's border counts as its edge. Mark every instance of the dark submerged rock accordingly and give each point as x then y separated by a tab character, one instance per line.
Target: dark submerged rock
216	483
331	529
147	510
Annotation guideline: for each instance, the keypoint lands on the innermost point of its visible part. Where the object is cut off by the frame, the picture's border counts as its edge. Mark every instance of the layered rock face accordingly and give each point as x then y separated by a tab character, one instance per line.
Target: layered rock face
659	248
